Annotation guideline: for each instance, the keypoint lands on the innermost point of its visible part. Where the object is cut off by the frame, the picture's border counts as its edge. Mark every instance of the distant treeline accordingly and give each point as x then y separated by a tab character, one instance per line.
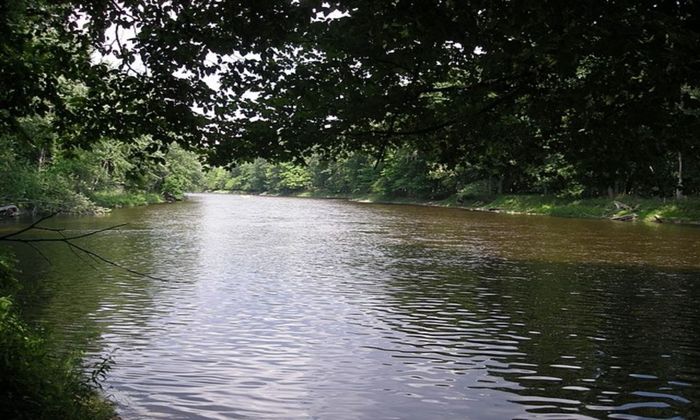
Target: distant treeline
406	172
50	173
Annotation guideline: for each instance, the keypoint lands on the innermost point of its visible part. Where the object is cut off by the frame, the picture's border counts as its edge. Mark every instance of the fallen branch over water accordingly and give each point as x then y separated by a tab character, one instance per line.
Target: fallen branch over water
69	241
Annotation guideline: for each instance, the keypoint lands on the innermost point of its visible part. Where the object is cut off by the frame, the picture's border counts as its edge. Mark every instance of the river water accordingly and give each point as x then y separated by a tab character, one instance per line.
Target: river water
297	308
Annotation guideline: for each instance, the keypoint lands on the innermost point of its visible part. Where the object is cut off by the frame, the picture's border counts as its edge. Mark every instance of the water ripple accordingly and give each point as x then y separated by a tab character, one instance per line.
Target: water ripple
283	308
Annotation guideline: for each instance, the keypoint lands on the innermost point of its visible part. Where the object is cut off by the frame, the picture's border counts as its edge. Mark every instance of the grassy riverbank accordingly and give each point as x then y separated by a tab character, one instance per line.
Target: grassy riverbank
117	199
686	210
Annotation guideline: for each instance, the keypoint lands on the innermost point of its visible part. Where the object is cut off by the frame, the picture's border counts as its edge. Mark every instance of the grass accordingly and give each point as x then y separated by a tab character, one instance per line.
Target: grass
686	210
546	205
115	198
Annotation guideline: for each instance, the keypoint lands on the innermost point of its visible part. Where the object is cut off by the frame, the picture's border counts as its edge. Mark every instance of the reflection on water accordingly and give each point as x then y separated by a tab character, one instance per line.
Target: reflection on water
292	308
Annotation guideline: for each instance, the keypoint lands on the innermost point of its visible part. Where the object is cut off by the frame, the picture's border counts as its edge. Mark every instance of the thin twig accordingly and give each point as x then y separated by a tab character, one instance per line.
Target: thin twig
112	263
38	251
63	239
93	259
123	52
80	257
123	10
11	237
48	229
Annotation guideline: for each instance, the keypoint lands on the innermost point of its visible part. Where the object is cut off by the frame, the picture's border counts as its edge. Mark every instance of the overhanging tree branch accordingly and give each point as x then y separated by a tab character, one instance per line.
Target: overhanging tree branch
28	228
68	240
436	127
64	238
422	130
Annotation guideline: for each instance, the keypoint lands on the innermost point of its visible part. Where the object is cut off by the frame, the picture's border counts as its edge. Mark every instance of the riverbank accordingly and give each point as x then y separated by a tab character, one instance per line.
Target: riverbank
626	208
117	199
100	202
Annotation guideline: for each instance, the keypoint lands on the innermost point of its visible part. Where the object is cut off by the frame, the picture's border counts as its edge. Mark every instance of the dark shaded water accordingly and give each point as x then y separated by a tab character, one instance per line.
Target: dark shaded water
293	308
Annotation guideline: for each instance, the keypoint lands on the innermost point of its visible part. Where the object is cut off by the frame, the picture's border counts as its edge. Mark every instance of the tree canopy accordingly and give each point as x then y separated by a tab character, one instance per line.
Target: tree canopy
611	87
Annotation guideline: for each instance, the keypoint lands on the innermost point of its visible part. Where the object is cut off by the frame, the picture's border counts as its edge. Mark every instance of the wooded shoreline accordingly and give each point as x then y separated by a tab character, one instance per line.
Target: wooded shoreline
624	208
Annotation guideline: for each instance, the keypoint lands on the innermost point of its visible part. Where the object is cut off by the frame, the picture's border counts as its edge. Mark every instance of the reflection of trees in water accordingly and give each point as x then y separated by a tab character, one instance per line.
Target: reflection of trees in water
562	338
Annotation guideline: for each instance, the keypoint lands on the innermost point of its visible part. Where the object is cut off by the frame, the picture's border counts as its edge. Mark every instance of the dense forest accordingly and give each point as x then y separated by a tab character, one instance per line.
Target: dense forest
106	103
595	99
409	173
47	176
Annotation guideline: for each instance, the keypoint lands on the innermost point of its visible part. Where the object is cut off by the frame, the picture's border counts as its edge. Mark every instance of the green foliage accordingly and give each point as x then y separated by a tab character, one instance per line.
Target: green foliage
36	382
252	176
9	285
545	98
408	175
355	174
216	179
288	178
686	210
494	86
118	198
404	174
50	175
183	172
32	186
474	189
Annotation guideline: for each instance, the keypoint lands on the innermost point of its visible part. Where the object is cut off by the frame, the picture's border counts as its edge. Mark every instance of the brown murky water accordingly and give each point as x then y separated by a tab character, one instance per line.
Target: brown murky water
297	308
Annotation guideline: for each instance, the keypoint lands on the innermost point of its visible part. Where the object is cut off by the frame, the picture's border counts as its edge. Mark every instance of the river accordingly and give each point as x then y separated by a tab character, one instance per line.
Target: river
266	307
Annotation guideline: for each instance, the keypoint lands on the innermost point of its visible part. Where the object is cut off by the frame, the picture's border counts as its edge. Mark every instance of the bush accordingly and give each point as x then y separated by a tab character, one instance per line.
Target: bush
474	189
120	198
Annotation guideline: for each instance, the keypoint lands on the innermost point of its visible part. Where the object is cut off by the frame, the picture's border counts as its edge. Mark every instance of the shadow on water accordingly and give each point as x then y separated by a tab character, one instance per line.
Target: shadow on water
286	308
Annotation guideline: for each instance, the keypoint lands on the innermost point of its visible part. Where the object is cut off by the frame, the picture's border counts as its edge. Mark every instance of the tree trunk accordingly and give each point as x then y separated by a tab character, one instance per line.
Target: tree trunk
679	186
42	158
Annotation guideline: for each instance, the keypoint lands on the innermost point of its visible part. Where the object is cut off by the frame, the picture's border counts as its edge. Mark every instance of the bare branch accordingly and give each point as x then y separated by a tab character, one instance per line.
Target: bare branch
48	229
65	238
80	257
30	227
112	263
11	237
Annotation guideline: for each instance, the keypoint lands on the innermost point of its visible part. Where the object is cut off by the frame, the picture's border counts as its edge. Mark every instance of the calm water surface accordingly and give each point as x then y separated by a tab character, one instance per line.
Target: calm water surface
298	308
